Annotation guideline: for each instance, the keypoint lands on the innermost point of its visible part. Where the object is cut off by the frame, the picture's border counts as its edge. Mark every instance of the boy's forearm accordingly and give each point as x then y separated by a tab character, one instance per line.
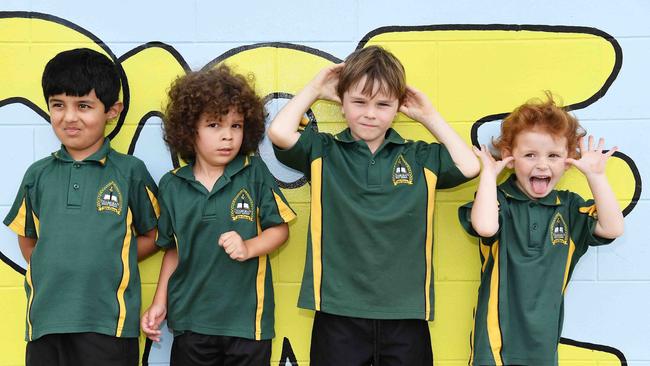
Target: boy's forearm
283	131
167	268
146	244
460	152
26	246
485	210
268	241
610	222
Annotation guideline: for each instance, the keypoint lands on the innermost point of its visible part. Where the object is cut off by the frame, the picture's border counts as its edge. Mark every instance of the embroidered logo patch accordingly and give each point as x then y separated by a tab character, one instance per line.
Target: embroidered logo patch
402	173
241	206
559	230
109	198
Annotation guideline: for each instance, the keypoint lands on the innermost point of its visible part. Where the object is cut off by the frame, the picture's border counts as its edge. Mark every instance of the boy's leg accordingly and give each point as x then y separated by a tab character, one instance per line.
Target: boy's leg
247	352
340	340
404	342
194	349
101	350
47	350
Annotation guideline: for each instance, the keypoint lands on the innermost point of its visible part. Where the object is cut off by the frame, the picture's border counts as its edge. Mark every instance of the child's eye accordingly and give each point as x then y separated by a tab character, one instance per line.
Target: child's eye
212	125
237	125
84	106
529	155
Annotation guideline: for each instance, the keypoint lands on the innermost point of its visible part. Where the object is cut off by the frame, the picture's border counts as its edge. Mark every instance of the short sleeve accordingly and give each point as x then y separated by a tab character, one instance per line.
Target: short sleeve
165	236
299	155
436	158
465	218
143	199
274	208
584	218
21	218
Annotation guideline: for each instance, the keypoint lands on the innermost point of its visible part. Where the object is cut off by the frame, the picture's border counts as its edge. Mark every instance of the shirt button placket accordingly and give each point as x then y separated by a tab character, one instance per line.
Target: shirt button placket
74	186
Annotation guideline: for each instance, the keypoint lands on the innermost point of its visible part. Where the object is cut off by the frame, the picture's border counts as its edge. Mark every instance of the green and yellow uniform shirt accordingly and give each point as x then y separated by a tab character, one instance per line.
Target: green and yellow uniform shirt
525	270
83	274
370	239
210	293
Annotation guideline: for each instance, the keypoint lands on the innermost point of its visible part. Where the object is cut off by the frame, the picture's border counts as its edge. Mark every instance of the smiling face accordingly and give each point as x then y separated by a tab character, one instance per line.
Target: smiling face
369	117
79	122
539	161
219	139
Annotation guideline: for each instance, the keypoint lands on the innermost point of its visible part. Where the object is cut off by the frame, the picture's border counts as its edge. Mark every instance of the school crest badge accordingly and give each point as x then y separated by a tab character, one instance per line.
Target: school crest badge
402	173
109	198
559	230
241	206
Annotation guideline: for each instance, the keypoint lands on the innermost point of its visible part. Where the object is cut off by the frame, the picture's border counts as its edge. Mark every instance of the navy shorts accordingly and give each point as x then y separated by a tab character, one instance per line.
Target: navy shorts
74	349
341	340
194	349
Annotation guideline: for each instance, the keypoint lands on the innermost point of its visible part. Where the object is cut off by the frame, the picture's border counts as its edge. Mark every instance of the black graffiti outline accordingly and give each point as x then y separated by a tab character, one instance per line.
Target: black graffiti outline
155	113
595	347
286	349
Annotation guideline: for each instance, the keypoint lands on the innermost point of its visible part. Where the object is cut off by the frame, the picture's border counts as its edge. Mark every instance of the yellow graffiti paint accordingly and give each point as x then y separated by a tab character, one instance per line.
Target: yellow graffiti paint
149	72
27	45
468	74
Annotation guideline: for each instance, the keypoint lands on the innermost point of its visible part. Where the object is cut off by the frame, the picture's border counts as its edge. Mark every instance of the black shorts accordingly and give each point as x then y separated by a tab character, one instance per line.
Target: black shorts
194	349
340	340
75	349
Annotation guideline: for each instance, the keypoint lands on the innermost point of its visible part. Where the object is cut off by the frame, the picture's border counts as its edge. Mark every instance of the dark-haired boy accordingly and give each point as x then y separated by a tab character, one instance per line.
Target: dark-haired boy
83	215
369	268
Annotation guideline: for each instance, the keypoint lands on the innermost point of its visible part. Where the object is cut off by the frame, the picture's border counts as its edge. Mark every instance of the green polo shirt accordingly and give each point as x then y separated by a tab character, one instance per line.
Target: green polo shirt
526	267
370	239
210	293
83	274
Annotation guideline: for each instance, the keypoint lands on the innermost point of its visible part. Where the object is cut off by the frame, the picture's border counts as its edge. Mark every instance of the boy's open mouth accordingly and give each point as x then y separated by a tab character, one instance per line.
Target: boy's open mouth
540	184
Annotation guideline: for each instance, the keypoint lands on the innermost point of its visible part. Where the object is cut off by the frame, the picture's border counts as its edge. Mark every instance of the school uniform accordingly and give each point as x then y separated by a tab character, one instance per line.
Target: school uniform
526	267
209	293
83	273
370	240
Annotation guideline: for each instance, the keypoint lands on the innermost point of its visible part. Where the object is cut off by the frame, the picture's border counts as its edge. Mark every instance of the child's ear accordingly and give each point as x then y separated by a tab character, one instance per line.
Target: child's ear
115	110
506	153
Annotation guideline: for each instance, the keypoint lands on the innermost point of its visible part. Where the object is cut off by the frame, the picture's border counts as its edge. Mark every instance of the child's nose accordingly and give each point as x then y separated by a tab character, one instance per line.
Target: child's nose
70	115
226	134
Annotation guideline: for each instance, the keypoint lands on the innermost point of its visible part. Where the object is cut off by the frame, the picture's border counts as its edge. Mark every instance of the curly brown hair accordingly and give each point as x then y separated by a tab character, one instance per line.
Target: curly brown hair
542	115
212	92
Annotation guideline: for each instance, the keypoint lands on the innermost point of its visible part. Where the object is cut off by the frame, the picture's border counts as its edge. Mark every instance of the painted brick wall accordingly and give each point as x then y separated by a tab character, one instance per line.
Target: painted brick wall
475	60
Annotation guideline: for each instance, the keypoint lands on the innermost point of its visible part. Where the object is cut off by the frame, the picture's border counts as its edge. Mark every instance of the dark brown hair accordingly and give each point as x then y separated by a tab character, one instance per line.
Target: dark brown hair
211	92
378	65
546	116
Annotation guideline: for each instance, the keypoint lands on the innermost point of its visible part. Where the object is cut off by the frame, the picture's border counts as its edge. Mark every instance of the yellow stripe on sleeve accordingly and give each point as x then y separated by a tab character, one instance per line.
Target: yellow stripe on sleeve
154	202
572	248
286	212
28	278
20	221
126	274
431	192
259	285
589	210
37	223
316	228
493	325
485	251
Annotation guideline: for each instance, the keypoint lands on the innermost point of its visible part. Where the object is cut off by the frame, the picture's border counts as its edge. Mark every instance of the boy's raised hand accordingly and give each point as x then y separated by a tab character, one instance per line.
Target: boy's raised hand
592	161
234	245
490	165
417	105
151	319
325	82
